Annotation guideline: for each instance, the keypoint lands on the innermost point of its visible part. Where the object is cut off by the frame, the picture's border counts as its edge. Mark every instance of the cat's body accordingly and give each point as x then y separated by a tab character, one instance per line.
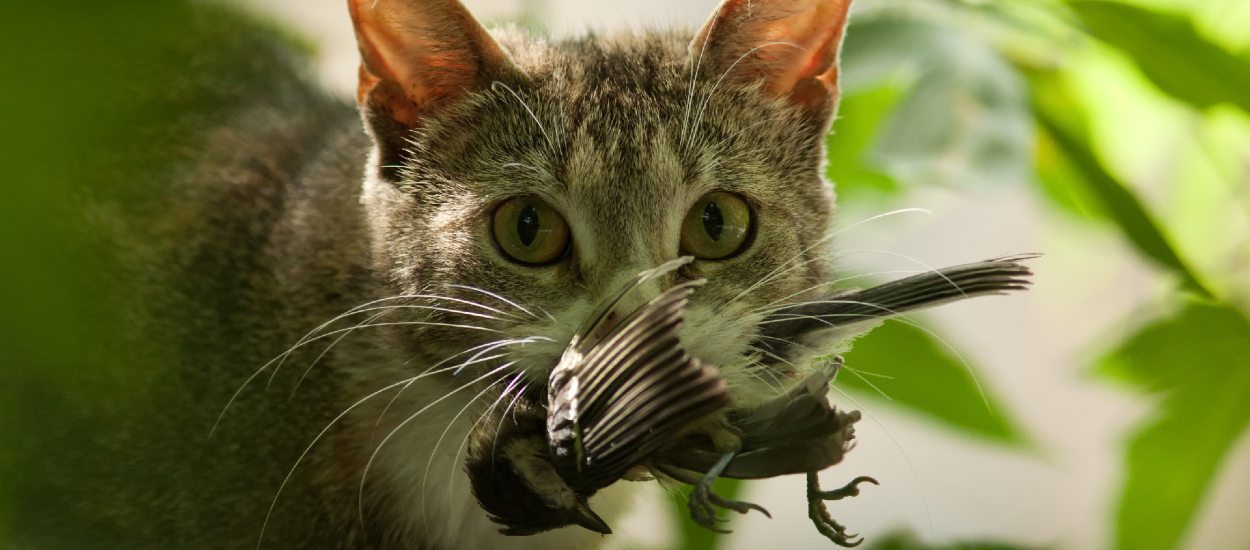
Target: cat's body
284	214
266	236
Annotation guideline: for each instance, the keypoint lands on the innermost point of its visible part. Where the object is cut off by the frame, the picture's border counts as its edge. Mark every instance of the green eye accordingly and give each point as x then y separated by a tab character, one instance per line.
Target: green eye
529	231
716	227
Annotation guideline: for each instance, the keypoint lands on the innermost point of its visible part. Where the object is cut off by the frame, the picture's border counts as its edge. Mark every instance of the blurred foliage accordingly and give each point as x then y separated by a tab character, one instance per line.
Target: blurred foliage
1171	52
906	365
966	95
958	112
904	540
90	94
1198	360
861	115
1057	112
1196	364
58	104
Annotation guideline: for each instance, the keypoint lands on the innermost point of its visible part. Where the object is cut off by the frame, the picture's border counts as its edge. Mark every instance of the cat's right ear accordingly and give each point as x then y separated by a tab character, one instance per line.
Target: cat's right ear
788	47
418	56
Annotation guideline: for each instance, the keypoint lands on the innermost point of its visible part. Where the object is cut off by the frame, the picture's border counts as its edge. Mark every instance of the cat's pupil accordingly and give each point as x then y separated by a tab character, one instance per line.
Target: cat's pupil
527	225
713	222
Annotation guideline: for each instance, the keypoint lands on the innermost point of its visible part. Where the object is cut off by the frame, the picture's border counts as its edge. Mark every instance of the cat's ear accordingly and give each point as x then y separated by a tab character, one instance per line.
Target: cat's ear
790	47
418	56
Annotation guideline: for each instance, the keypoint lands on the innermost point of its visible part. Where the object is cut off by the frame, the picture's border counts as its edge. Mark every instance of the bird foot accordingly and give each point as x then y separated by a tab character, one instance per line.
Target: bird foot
703	502
819	513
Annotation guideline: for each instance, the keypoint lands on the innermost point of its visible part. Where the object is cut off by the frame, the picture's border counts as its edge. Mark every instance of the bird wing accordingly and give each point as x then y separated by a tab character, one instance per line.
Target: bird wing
849	310
632	393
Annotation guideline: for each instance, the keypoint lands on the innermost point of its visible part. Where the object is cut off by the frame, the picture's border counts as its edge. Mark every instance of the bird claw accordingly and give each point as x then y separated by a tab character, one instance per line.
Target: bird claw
704	502
819	513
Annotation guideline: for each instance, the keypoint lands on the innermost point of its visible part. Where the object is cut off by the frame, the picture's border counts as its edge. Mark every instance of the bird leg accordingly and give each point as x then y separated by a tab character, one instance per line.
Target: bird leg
704	501
825	523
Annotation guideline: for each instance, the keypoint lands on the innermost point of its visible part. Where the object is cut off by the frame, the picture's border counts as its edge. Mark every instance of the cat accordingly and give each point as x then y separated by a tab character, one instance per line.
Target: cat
328	308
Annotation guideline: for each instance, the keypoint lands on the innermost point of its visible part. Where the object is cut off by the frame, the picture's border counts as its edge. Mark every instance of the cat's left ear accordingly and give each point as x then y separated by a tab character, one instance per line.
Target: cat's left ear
418	57
790	47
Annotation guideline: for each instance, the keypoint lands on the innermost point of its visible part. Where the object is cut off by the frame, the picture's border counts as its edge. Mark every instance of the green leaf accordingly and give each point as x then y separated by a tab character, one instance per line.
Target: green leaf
1063	184
905	540
1171	52
1060	116
851	166
963	119
1197	363
910	368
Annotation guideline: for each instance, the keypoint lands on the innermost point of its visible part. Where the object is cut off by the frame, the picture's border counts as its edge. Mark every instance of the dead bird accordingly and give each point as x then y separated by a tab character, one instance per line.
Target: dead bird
623	389
626	401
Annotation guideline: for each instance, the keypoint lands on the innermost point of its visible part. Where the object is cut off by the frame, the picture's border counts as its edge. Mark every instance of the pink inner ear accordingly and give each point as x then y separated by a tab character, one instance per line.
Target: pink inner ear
419	54
816	83
385	97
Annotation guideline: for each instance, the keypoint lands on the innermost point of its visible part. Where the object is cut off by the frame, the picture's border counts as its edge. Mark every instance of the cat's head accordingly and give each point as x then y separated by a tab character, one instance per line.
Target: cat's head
525	180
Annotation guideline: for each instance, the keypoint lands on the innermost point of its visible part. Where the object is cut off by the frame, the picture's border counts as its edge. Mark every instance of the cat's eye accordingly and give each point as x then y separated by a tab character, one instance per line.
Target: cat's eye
530	231
716	227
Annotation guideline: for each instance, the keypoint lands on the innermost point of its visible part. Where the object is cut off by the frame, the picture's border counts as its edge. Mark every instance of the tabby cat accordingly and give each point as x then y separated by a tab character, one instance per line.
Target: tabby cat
329	308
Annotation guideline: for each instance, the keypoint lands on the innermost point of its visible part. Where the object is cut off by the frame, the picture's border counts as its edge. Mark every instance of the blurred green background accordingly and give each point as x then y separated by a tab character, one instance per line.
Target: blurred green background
1112	136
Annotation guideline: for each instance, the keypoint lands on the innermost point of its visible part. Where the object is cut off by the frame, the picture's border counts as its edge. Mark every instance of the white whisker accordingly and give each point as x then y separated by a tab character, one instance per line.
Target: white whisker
425	476
551	317
495	296
277	361
283	355
304	454
780	303
928	268
327	349
768	277
472	303
777	385
455	458
869	383
484	348
707	98
364	474
368	324
550	144
511	406
694	77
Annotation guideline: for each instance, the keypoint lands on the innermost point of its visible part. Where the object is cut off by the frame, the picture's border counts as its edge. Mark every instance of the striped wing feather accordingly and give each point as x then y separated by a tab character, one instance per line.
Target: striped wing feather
632	393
